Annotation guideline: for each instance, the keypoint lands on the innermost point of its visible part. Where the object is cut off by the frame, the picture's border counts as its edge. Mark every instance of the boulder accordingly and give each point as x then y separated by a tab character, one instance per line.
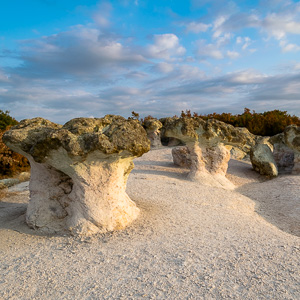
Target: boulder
79	172
152	127
283	155
262	160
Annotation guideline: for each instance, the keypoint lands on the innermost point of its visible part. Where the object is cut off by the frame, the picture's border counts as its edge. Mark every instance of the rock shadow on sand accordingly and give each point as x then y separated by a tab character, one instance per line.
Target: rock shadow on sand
277	201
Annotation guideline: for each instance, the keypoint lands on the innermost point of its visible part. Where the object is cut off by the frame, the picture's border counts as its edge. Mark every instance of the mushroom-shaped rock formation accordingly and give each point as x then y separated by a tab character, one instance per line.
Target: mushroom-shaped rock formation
262	160
79	172
153	127
292	140
205	141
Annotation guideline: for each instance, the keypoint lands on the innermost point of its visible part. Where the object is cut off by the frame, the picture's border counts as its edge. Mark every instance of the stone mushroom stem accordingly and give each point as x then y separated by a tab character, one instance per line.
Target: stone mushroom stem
209	165
98	201
155	139
49	191
100	197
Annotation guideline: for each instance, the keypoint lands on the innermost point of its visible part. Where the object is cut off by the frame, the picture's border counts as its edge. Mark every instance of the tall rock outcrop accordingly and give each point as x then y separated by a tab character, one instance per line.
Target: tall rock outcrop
79	172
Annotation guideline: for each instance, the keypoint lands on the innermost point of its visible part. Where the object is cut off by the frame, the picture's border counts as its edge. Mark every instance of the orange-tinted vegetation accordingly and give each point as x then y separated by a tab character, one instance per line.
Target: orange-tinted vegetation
267	124
11	163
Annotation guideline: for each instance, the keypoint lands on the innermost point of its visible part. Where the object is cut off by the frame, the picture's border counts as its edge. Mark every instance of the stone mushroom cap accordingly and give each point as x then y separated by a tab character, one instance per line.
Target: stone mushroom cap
78	137
152	124
292	137
207	132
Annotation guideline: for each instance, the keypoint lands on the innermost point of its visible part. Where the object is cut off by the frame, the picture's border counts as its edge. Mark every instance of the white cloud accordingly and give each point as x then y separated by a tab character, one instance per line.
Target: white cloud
165	46
164	67
102	14
245	77
208	50
217	26
288	47
279	25
232	54
291	47
239	40
81	50
197	27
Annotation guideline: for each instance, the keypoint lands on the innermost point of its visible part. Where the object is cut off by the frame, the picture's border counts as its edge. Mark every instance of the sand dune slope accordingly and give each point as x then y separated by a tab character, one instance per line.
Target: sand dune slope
190	242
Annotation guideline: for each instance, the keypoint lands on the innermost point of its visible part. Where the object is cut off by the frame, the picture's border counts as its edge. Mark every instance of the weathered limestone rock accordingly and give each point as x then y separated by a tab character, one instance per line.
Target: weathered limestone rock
236	152
181	157
79	172
153	127
283	155
262	160
205	141
292	140
209	165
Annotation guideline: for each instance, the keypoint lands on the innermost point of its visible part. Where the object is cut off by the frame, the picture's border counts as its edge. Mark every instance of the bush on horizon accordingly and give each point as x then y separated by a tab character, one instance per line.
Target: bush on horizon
268	123
11	163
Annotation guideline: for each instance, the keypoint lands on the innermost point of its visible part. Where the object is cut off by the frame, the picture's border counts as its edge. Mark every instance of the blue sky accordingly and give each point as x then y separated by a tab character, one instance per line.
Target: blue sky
61	59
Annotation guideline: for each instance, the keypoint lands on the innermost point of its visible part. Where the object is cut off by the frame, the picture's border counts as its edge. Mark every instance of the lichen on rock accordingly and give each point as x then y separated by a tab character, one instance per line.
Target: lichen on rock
206	142
262	160
79	171
153	127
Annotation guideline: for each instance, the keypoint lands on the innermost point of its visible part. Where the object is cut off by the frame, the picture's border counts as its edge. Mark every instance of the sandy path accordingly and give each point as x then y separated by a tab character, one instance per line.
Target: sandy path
190	242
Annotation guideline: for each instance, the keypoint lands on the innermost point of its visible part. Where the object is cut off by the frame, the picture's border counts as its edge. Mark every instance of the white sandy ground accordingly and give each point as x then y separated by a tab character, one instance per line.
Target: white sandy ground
190	242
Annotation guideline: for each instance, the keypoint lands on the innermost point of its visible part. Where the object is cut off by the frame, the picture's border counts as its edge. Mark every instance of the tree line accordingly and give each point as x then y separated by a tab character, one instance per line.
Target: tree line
268	123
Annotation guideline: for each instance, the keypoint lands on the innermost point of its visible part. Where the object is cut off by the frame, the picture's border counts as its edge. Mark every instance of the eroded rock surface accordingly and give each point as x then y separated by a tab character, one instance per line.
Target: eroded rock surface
283	155
206	142
292	140
181	157
79	172
153	127
262	160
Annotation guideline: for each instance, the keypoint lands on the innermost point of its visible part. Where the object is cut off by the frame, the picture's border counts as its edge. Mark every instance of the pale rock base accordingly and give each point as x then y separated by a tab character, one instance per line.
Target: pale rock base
83	198
154	138
209	165
296	168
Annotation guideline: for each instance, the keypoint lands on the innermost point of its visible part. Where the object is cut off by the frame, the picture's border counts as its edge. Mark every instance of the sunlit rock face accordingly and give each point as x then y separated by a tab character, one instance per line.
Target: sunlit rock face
153	127
262	160
292	140
79	172
206	142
